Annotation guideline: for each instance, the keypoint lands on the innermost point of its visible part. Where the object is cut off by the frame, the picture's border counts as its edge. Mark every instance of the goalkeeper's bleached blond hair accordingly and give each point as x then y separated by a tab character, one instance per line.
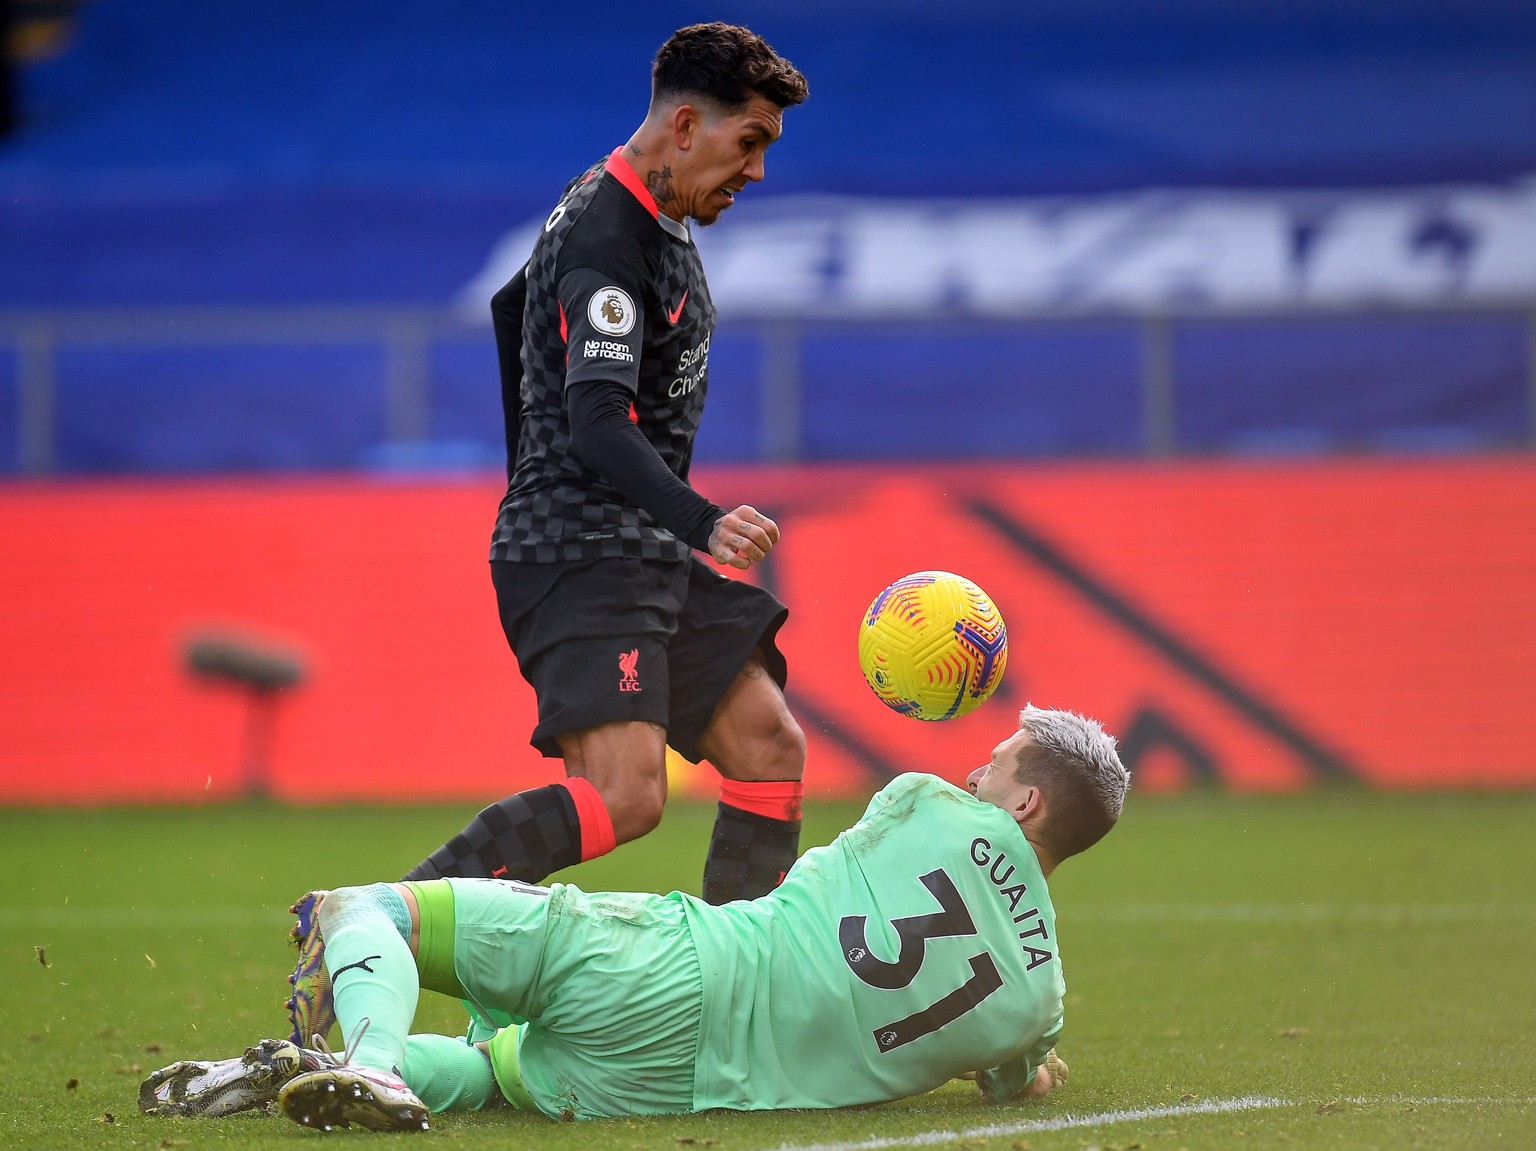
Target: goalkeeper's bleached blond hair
1073	760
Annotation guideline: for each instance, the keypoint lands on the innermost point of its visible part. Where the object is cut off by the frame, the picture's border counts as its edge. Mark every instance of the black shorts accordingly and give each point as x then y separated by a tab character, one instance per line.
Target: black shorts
604	641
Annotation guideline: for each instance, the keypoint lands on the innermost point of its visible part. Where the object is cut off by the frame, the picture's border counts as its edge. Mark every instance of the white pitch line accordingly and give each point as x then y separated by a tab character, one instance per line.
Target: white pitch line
1382	913
1139	1114
1059	1123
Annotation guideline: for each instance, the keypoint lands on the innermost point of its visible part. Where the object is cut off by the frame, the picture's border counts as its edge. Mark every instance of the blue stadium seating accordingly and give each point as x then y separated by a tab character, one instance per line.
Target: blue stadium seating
187	154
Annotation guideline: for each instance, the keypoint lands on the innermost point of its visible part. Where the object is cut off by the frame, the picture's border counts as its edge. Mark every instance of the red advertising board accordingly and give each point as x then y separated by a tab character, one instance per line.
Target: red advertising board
1258	626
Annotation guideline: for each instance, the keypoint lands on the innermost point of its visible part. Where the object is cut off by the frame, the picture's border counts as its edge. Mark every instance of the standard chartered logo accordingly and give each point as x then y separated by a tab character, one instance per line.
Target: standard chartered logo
694	368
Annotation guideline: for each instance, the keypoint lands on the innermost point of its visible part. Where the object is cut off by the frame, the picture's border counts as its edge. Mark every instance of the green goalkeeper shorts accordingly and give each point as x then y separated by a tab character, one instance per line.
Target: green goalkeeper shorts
608	985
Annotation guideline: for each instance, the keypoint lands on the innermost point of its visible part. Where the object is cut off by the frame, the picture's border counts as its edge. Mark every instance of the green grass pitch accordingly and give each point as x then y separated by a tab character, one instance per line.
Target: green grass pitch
1339	969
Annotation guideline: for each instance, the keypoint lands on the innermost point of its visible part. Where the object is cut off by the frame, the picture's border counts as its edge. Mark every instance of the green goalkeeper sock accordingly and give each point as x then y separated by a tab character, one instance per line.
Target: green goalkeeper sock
448	1074
373	973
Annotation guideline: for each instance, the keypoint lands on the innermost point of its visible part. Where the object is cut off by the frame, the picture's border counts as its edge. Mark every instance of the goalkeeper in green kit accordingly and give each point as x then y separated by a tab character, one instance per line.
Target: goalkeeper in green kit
918	946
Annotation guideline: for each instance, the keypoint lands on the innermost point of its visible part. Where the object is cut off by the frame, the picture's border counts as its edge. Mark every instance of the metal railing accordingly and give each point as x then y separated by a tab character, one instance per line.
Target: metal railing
407	336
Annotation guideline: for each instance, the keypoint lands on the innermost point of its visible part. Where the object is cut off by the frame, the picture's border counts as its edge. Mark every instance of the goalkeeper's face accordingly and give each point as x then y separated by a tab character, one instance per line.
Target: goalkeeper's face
996	780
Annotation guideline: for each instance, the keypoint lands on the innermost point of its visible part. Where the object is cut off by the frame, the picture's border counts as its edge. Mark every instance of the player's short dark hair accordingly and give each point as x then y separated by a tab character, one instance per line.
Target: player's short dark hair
1073	760
726	64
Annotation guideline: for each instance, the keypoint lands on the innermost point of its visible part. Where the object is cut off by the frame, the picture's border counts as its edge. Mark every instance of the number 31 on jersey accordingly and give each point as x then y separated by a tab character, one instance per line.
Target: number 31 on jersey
914	931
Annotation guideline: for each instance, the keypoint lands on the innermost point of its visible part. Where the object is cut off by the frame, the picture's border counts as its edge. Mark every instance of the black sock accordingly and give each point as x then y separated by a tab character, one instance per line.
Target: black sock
525	836
748	854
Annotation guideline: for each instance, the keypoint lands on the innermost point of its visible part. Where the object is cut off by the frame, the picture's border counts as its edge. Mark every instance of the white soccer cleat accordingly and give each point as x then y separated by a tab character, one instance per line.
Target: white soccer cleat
211	1088
342	1096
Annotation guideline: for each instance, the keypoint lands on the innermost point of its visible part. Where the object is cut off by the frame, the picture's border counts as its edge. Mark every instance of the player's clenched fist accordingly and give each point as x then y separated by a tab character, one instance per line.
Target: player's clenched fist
743	537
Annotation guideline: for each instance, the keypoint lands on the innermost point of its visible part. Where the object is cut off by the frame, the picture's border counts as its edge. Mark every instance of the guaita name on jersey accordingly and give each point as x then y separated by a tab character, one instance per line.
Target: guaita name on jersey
981	856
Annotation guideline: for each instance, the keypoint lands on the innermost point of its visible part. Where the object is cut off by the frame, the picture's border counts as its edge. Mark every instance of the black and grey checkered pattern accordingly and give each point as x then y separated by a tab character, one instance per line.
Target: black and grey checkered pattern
602	236
748	854
525	836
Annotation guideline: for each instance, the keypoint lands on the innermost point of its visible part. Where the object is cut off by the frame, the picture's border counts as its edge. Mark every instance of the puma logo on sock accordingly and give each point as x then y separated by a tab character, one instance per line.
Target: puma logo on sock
363	963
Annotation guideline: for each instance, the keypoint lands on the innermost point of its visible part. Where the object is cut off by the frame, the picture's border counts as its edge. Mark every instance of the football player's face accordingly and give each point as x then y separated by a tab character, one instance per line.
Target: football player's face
994	781
726	154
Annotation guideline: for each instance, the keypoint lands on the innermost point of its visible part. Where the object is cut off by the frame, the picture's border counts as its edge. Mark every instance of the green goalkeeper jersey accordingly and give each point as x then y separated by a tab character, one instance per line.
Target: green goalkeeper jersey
919	944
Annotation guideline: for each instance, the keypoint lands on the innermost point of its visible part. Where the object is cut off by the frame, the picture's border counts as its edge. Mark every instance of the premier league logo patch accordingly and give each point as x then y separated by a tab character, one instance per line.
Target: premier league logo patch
611	311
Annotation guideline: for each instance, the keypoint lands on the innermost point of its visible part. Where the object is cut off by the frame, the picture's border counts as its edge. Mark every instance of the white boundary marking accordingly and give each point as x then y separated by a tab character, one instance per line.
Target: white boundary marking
1127	1115
1059	1123
1389	914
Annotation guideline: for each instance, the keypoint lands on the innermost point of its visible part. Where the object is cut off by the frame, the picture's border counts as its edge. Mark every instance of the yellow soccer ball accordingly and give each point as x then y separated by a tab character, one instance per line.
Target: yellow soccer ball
933	646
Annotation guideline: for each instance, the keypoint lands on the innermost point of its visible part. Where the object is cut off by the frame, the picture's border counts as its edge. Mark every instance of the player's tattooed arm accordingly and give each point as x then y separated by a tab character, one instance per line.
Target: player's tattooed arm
660	186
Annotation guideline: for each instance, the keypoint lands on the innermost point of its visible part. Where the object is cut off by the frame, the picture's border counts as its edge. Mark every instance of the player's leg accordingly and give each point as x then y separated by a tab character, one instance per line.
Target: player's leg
384	949
626	764
729	708
614	1010
590	638
489	943
364	933
759	750
367	933
615	789
448	1074
525	836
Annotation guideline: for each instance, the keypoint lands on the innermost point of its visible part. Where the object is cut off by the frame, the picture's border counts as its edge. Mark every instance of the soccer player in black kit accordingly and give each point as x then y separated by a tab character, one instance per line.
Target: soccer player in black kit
629	642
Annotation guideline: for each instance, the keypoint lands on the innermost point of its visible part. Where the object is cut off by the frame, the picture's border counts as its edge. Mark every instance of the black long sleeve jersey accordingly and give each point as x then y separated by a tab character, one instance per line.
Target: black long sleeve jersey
603	340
